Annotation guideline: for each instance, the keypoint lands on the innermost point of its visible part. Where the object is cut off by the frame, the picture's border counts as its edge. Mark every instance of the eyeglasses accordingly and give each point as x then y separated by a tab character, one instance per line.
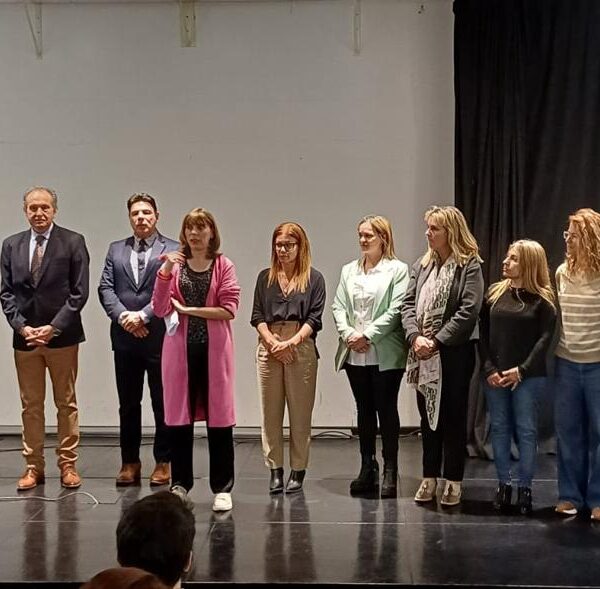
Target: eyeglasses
286	246
568	235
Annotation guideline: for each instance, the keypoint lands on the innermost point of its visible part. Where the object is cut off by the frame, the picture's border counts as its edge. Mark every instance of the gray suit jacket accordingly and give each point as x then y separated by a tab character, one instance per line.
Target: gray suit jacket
460	323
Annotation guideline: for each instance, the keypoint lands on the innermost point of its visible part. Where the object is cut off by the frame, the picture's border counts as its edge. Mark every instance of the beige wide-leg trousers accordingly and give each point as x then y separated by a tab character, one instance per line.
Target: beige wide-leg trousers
292	385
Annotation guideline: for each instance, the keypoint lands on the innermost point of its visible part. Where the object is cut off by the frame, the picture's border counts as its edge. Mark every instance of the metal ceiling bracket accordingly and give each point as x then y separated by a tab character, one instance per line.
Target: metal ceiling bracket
187	20
33	10
357	27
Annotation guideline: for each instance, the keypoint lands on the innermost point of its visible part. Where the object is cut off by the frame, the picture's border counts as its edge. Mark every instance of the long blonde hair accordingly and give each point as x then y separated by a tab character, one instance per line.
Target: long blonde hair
535	274
586	260
301	276
383	229
463	245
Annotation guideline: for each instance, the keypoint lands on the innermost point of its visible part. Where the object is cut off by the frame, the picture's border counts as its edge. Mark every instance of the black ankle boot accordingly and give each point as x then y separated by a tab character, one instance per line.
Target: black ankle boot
524	500
368	477
295	481
389	487
276	483
503	497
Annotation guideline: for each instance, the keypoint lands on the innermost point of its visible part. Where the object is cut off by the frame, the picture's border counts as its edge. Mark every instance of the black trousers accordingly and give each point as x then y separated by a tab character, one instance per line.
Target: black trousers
447	443
376	396
220	439
130	369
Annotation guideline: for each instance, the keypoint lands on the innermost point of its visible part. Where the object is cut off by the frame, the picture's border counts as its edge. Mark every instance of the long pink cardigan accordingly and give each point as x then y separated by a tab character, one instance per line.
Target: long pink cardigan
224	291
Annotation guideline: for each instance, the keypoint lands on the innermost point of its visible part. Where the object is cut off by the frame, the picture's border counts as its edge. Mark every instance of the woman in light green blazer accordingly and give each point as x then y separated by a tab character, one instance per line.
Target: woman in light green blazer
372	348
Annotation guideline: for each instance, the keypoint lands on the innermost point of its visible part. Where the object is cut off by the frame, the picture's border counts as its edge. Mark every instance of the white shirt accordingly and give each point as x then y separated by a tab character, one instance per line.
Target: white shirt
33	242
364	290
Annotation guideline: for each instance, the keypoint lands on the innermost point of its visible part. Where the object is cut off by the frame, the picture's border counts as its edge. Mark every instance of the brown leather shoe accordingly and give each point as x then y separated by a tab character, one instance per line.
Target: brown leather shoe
69	477
161	475
30	479
129	474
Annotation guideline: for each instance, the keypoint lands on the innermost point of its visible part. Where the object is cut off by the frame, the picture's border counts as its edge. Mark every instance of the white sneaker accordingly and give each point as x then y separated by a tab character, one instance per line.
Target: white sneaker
222	502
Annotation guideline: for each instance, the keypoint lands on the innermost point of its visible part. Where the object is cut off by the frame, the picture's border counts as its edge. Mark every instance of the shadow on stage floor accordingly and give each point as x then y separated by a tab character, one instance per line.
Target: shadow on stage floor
319	536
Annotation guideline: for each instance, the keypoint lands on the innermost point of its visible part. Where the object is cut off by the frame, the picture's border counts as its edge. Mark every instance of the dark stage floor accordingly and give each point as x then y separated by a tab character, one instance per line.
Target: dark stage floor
321	535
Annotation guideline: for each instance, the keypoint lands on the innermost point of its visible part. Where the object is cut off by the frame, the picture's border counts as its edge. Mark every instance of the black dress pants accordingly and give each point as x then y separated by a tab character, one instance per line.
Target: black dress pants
447	443
220	439
376	396
130	369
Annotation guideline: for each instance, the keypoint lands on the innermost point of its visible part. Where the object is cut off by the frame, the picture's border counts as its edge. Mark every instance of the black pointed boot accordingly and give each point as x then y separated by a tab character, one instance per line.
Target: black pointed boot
389	487
276	482
295	481
503	497
368	477
524	500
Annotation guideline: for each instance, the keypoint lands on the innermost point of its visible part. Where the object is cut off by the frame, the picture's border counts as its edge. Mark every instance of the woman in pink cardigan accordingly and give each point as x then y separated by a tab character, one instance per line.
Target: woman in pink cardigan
197	291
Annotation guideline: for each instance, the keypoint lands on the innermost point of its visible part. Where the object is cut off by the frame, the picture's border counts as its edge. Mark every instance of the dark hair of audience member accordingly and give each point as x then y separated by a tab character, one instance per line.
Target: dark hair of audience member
124	578
156	534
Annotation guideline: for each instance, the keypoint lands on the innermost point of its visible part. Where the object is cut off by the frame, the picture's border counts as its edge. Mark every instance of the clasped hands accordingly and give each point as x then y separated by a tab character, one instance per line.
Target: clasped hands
424	347
133	323
506	378
37	336
357	342
282	350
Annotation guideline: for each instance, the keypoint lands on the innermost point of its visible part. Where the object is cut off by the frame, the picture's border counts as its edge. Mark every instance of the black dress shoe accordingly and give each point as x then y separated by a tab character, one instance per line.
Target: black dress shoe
524	500
295	481
276	483
389	487
503	497
368	477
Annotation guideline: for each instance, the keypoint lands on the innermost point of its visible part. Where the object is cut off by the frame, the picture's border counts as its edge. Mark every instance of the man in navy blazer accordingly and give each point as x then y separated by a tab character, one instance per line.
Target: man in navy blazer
125	292
45	284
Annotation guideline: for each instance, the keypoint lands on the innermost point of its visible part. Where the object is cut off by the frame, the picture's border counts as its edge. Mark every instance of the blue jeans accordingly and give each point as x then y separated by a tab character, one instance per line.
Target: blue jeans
514	414
577	419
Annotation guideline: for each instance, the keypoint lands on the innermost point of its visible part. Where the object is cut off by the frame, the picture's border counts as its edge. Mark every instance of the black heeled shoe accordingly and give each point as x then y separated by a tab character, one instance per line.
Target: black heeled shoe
295	481
503	497
524	500
276	482
389	486
368	477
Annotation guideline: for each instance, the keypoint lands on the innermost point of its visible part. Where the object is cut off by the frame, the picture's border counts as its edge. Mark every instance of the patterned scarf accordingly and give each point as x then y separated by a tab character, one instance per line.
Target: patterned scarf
426	375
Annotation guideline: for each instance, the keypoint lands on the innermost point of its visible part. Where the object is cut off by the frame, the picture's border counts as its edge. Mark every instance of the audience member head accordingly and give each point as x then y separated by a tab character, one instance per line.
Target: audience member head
124	578
156	534
583	243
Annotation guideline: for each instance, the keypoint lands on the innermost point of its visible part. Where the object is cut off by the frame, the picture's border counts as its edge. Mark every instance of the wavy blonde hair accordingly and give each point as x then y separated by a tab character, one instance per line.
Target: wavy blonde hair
301	277
463	245
535	274
383	229
586	259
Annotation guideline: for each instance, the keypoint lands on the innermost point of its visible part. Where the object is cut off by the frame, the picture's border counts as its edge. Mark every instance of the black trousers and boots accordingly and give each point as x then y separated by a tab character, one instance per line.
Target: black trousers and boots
220	439
376	396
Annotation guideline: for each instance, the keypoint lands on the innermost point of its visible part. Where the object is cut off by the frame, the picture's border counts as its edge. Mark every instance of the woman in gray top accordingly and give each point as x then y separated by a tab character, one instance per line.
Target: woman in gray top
439	315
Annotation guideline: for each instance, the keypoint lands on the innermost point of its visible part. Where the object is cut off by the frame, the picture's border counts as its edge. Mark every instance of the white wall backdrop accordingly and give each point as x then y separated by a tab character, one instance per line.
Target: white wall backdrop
271	117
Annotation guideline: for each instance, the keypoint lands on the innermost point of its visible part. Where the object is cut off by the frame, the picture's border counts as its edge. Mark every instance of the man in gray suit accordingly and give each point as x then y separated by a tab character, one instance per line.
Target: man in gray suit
125	292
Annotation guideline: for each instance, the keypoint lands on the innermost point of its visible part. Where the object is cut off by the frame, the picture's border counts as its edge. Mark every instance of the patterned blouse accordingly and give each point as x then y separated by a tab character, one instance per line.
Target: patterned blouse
194	288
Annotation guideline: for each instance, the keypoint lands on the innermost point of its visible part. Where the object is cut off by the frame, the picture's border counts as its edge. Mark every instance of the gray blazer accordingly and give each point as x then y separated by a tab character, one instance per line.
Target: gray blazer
460	322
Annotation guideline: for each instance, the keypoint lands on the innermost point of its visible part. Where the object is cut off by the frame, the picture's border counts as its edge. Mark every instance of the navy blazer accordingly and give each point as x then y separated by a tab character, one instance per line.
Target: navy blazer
119	292
61	292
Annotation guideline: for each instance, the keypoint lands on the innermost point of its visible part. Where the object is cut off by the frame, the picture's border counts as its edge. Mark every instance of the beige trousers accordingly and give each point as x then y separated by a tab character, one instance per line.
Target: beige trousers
31	373
292	385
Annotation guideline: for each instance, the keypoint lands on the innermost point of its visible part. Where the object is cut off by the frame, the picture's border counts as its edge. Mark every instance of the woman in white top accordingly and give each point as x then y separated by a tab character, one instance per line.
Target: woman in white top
372	348
577	399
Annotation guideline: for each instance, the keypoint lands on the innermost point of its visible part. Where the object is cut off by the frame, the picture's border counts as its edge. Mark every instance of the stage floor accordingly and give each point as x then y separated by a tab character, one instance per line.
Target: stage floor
321	535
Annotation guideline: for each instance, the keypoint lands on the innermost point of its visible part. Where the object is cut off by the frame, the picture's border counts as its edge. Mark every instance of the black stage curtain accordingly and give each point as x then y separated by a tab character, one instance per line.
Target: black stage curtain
527	153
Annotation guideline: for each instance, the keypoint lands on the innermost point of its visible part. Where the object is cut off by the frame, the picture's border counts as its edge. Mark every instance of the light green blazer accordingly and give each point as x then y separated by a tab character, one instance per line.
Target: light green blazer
385	332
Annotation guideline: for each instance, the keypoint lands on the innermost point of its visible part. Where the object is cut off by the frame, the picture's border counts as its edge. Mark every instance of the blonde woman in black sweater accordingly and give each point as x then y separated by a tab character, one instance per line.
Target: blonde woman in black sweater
517	323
